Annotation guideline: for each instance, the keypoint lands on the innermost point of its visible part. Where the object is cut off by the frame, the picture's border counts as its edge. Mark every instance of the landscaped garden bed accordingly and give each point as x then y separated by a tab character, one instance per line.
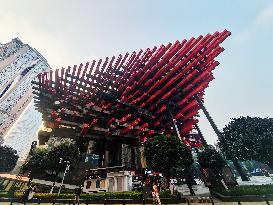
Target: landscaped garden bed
100	196
3	193
245	193
91	196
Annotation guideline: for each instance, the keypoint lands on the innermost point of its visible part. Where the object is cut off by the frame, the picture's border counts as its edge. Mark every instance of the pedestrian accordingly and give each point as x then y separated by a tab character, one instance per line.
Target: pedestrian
78	192
31	193
155	194
189	183
28	194
24	198
172	185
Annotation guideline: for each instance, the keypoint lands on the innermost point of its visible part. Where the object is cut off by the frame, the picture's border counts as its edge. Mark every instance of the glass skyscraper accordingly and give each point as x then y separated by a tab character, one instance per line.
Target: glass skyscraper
19	121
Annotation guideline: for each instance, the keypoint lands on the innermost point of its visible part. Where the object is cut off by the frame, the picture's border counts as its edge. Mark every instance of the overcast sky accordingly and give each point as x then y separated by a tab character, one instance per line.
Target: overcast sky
70	32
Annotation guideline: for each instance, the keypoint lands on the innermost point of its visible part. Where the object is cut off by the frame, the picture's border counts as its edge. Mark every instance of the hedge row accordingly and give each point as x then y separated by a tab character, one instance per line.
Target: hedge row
3	193
100	196
40	188
247	190
91	196
167	194
46	195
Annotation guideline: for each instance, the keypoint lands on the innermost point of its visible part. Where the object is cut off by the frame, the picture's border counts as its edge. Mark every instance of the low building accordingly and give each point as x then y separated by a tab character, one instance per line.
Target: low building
110	179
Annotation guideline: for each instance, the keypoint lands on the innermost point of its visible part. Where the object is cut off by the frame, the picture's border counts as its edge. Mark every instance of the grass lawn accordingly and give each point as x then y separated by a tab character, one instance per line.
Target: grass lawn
248	190
6	184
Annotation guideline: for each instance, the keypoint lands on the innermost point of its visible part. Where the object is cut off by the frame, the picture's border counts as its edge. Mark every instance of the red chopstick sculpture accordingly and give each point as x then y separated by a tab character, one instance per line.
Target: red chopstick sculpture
141	94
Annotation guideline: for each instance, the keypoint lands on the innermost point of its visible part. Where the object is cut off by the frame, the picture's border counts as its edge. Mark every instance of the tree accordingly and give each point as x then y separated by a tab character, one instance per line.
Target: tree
37	162
44	161
8	158
166	152
211	159
68	151
56	141
248	138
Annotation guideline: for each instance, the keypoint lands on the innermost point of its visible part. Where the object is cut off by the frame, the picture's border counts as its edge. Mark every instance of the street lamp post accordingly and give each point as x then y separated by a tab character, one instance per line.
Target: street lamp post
21	172
174	124
53	185
65	171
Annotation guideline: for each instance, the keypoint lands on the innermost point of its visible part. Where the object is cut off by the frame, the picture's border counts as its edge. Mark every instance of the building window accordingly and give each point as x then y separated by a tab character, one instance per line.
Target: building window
88	184
98	184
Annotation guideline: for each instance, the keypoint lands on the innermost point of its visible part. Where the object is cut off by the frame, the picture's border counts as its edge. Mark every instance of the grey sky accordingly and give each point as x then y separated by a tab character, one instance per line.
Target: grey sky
70	32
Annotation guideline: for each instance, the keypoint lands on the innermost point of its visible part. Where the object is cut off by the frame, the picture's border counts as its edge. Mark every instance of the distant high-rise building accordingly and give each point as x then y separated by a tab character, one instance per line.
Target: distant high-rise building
19	121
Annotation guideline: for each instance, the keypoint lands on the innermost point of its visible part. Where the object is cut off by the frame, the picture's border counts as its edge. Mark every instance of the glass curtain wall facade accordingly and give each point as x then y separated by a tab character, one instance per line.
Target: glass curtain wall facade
19	65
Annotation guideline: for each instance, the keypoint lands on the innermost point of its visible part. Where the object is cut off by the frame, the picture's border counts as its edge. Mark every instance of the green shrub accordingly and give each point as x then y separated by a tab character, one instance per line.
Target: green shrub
112	195
53	196
248	190
3	194
167	194
101	195
91	196
40	188
46	195
18	194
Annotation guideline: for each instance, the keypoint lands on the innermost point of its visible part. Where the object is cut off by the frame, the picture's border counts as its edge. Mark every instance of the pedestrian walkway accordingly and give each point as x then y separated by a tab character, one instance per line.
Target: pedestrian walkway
37	181
255	180
13	177
200	190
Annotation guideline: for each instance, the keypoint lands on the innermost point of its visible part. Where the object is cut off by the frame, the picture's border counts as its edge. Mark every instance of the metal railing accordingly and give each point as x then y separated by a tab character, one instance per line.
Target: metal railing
189	201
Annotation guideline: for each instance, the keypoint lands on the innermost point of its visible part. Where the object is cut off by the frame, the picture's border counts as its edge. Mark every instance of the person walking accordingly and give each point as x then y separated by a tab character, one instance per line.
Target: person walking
32	192
28	194
78	192
189	183
24	198
155	194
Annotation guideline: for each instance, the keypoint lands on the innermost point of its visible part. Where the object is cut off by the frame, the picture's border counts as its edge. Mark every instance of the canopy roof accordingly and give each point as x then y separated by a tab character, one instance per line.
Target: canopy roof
134	94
